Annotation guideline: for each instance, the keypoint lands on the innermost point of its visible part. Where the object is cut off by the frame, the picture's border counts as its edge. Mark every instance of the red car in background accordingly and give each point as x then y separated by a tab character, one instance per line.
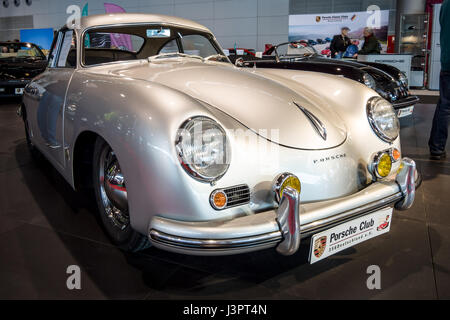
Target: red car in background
250	52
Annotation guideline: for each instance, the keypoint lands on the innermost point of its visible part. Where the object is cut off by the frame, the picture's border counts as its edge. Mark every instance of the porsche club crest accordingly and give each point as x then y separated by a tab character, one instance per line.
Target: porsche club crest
319	246
383	224
318	19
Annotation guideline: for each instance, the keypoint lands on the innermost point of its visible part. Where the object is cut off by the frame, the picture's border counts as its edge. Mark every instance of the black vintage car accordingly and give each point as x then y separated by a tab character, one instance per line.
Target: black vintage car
387	80
19	63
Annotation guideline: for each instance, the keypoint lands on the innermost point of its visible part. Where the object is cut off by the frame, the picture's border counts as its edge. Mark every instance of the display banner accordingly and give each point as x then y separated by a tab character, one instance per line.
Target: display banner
121	41
318	29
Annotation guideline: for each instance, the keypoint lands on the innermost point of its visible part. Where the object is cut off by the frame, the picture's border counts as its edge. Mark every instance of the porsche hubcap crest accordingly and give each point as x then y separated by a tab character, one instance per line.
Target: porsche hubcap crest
113	190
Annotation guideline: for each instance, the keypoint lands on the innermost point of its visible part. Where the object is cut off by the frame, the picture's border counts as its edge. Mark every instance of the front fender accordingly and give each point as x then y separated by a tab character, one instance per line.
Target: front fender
139	120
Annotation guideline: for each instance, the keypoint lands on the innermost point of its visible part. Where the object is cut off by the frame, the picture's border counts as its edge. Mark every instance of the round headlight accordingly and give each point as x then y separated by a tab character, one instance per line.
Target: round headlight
369	80
382	119
203	149
403	79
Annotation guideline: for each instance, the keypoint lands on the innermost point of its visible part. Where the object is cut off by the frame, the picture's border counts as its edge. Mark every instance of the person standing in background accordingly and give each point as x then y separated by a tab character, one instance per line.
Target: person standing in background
439	130
371	44
340	43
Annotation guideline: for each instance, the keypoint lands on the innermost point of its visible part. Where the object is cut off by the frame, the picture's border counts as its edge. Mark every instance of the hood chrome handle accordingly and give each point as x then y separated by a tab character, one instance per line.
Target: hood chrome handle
316	123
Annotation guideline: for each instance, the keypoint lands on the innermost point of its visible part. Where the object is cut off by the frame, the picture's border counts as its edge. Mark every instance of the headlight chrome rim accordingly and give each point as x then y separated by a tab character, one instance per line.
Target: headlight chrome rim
403	78
369	81
371	103
189	167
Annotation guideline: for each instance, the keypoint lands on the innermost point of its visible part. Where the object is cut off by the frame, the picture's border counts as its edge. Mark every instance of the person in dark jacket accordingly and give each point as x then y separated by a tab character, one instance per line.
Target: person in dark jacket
340	43
439	130
371	44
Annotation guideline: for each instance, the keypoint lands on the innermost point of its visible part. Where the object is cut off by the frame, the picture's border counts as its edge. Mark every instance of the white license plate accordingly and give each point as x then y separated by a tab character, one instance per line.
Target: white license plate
19	91
348	234
405	112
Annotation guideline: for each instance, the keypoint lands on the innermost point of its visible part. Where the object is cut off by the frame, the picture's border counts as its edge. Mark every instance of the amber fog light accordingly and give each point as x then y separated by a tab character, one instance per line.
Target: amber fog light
218	199
283	181
382	165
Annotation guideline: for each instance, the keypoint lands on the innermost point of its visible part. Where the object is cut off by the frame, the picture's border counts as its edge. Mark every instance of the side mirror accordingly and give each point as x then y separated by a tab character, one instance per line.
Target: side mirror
239	62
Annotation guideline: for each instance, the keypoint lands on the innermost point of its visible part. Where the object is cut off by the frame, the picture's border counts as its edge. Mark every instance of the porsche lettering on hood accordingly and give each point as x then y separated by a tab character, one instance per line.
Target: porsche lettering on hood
260	104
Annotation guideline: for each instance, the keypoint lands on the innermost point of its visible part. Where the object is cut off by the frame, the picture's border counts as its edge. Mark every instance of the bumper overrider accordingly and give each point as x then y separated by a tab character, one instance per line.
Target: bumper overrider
284	227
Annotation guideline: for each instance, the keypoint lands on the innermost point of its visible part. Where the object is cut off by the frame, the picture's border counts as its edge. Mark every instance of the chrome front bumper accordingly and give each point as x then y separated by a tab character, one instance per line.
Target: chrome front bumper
284	227
406	102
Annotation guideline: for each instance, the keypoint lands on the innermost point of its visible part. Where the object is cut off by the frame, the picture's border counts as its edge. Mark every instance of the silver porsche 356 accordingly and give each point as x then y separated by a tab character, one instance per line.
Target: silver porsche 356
189	153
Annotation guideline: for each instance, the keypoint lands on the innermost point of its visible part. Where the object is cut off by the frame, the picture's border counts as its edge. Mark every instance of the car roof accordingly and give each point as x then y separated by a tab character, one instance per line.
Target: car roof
129	18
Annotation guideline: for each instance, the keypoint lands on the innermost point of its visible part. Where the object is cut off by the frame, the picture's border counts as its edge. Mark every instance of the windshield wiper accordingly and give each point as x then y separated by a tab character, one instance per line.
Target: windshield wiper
174	54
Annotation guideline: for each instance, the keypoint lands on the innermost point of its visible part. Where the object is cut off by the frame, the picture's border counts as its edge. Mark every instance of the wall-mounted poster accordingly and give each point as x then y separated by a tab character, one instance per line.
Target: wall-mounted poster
41	37
318	29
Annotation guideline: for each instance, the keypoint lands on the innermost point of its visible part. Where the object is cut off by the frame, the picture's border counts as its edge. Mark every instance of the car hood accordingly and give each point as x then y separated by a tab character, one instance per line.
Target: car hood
342	62
20	69
257	102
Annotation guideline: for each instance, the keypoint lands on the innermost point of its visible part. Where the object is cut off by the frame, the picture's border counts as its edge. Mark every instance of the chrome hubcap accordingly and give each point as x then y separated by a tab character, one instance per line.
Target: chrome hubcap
113	189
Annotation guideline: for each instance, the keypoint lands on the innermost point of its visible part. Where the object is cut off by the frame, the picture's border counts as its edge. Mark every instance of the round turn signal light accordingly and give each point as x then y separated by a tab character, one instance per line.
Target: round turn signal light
218	199
396	154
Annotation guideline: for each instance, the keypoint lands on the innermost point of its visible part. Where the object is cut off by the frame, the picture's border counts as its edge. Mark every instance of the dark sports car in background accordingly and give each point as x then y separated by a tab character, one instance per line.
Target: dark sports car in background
387	80
19	63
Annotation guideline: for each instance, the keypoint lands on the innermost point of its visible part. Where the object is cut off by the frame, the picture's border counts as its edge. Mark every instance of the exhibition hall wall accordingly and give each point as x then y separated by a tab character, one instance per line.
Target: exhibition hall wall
246	23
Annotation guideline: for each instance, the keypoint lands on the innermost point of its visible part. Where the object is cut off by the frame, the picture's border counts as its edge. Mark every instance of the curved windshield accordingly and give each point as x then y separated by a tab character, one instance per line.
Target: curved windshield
19	50
299	49
123	43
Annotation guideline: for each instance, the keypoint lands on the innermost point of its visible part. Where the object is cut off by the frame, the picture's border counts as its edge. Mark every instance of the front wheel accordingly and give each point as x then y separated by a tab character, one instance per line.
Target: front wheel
111	196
